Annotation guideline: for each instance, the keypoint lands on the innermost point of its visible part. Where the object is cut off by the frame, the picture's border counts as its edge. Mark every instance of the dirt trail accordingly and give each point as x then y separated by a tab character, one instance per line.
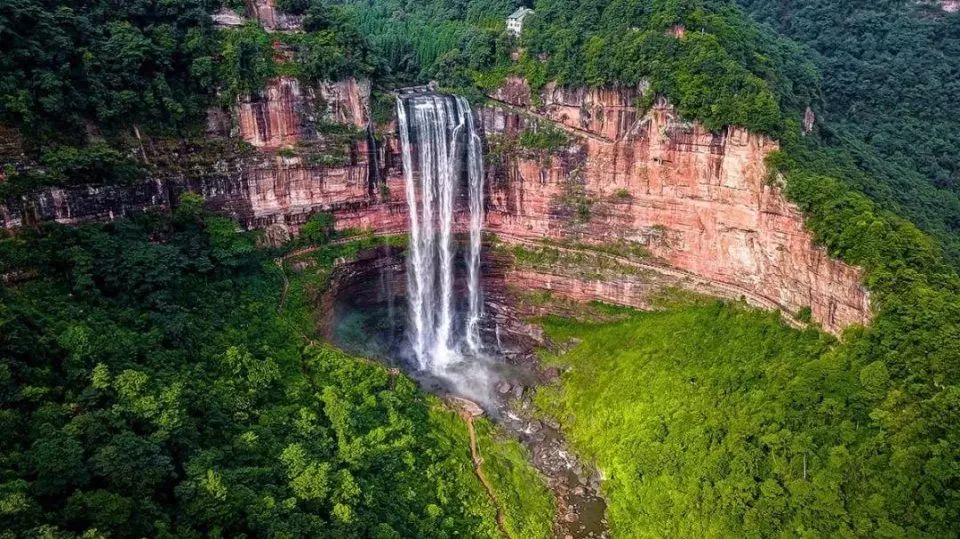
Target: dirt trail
286	285
467	417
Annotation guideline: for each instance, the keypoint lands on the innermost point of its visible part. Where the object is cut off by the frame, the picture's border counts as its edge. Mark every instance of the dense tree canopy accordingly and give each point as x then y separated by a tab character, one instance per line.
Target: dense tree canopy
712	62
891	92
67	62
149	388
70	67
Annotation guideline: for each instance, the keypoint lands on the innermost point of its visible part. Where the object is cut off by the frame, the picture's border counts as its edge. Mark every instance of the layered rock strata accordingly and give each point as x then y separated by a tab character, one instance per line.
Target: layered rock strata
697	200
302	151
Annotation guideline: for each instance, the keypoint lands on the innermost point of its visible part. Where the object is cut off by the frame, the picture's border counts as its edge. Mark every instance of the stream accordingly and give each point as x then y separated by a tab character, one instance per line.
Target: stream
369	319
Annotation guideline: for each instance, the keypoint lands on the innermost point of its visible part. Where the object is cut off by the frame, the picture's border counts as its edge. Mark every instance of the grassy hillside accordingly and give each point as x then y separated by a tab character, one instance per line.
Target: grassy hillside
712	420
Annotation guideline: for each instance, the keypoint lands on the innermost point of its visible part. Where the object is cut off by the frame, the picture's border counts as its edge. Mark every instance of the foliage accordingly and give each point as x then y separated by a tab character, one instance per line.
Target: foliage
70	65
712	420
528	505
545	139
148	387
724	70
67	62
319	228
73	165
420	41
890	96
247	61
712	62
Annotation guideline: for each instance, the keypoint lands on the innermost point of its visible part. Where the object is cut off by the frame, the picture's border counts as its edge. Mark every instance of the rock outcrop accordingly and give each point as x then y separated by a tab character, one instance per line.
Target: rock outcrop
696	200
310	152
287	113
271	18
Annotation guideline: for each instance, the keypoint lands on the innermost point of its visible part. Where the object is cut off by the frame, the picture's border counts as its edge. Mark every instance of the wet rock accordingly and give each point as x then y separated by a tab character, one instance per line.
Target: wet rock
504	387
466	407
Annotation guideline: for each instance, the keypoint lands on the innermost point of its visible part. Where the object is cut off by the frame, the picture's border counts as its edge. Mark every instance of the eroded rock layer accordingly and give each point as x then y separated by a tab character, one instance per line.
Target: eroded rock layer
697	200
694	200
270	163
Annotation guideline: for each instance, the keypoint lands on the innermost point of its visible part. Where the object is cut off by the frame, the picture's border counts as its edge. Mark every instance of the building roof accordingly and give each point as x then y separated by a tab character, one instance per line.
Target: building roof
520	13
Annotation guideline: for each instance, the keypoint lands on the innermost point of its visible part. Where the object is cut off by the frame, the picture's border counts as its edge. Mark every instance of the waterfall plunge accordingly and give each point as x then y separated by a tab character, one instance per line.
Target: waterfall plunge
440	145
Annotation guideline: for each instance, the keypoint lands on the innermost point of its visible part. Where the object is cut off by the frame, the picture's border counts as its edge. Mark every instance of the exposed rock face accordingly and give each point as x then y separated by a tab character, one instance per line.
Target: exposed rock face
603	112
270	18
274	120
809	121
287	113
260	188
227	18
700	201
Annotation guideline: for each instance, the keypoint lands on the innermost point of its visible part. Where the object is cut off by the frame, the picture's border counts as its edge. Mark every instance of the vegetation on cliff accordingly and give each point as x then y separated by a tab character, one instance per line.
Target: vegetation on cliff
71	69
724	71
890	98
149	387
885	448
420	41
713	420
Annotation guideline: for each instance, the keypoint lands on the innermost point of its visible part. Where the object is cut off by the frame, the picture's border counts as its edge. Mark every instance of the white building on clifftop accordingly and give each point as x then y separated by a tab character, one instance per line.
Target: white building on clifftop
515	20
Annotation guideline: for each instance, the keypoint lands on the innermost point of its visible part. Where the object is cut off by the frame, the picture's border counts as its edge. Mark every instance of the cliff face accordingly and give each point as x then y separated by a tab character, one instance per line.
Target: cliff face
696	200
288	113
269	162
272	19
330	162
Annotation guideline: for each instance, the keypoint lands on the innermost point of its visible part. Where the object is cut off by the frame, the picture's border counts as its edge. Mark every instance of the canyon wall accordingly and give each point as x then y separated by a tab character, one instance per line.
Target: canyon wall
695	200
269	162
699	203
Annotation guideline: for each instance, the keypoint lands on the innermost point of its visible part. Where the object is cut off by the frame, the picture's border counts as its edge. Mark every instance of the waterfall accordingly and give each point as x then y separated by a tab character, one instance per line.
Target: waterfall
373	174
475	182
441	151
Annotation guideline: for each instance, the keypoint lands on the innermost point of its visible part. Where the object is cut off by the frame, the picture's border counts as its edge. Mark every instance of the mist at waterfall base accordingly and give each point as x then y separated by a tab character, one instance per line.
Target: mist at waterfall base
429	322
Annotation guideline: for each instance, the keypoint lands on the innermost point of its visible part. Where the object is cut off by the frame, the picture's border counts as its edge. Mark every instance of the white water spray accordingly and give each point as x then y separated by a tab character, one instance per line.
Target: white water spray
440	147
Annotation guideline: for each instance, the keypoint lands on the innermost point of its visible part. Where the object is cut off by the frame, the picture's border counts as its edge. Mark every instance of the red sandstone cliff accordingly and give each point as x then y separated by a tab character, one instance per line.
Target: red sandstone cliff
284	188
294	169
699	201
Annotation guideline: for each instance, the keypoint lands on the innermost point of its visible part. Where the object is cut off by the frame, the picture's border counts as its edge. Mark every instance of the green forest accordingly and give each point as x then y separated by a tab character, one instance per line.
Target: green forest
890	89
70	66
154	385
